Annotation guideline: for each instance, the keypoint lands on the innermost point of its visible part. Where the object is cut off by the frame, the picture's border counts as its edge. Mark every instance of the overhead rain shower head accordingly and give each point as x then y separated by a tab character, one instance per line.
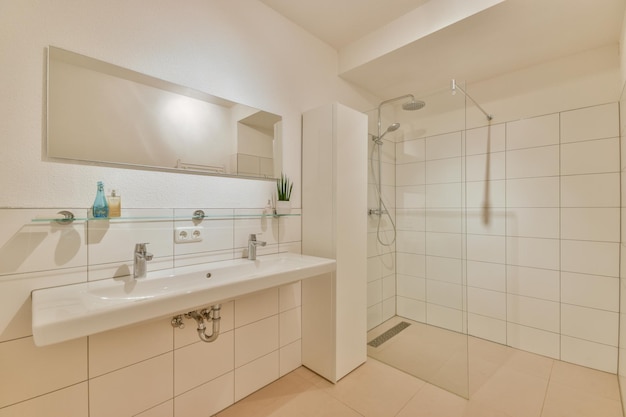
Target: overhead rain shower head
410	105
413	105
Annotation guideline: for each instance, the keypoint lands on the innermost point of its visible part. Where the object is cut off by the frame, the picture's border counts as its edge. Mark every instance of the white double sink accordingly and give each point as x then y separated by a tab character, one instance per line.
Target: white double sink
77	310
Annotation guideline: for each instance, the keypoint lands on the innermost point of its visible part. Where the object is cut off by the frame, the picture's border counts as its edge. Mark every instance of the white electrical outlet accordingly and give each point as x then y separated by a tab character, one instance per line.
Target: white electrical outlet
188	234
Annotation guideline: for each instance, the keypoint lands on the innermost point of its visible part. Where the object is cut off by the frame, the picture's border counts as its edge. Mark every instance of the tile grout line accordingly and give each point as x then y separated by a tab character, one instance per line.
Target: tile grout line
405	405
545	397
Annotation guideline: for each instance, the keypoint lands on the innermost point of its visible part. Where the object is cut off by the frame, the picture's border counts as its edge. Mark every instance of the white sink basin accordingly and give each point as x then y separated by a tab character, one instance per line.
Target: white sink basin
72	311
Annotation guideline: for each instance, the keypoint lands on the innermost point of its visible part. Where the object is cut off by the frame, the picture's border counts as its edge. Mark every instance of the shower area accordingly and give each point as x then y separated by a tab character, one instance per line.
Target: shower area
428	189
497	238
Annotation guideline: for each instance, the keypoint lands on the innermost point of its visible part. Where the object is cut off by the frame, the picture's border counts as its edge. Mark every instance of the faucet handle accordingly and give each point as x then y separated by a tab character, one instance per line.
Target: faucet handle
141	247
253	236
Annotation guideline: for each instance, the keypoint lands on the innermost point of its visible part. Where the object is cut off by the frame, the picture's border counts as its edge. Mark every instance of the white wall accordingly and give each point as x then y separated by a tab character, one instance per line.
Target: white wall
580	80
242	51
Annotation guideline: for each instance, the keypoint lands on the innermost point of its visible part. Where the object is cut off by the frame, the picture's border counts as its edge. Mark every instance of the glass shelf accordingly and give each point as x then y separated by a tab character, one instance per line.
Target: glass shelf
69	218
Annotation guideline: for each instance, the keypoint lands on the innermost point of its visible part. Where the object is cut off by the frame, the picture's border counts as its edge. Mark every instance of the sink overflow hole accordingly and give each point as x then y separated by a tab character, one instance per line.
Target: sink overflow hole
208	275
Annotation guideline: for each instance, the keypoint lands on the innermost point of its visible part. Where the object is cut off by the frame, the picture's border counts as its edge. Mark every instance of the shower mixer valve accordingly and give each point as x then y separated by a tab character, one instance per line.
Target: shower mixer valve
376	212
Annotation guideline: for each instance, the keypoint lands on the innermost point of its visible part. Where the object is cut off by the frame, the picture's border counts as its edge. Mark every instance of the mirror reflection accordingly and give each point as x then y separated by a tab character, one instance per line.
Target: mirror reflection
102	113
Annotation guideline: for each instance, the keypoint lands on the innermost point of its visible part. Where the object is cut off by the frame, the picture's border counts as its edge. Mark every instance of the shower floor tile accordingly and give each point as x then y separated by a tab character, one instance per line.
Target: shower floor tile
435	355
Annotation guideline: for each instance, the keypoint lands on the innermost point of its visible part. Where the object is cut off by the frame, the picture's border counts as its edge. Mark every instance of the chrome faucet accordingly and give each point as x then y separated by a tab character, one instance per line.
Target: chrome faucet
142	256
252	244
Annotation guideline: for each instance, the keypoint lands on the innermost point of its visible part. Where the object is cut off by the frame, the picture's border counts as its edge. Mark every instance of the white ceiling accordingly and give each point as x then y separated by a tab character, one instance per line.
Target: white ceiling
340	22
512	35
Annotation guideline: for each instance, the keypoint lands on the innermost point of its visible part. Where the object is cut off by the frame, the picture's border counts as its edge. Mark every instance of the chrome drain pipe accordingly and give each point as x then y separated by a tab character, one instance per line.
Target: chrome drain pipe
212	315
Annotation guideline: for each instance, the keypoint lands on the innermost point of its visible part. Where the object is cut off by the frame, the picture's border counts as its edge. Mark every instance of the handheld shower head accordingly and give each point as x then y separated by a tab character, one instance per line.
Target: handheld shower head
392	128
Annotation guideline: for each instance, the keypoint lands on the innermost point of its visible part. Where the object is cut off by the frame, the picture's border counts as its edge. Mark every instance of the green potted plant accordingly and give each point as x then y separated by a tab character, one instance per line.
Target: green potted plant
284	186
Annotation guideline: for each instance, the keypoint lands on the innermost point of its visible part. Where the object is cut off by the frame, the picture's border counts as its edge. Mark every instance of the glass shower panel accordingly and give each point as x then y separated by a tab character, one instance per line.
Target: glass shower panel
427	335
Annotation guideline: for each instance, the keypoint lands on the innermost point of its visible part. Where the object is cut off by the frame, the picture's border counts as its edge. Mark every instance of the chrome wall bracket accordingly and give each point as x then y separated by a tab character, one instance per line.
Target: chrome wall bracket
68	217
198	216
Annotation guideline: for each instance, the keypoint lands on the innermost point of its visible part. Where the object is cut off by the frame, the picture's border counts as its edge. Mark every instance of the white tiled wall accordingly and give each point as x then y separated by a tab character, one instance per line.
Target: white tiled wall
149	369
381	259
430	230
527	215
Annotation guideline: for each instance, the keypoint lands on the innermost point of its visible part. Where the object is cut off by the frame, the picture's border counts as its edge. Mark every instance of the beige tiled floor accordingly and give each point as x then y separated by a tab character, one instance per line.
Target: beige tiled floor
504	382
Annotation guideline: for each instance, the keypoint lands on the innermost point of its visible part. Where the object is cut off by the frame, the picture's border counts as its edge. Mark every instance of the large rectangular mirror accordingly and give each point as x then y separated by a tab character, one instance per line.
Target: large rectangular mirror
101	113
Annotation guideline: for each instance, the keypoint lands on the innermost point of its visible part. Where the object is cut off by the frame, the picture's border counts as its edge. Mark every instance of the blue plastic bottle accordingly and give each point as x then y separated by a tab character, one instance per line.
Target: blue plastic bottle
100	205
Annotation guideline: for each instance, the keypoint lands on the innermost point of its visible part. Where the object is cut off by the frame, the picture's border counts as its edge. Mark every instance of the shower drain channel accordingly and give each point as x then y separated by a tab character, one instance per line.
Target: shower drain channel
389	334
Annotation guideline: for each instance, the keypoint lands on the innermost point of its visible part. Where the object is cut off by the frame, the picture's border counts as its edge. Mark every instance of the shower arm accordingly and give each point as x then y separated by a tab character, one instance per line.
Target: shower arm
454	86
382	103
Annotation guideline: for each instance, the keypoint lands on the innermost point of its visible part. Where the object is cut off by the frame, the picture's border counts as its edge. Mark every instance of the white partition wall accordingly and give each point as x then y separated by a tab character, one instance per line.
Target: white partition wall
334	225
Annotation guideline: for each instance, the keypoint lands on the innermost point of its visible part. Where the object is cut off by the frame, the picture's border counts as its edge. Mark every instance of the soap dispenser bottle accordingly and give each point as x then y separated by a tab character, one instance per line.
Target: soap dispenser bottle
115	204
268	210
100	207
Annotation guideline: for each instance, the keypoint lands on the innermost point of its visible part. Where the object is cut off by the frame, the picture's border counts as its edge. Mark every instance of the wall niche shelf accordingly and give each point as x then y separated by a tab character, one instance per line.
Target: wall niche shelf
67	217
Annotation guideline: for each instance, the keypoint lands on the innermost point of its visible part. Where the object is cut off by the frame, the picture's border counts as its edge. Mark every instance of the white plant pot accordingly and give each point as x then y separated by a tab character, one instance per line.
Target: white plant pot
283	207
